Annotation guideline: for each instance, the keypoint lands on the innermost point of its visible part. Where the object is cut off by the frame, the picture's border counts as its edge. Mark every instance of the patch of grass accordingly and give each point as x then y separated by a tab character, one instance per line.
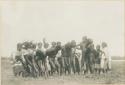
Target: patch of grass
117	75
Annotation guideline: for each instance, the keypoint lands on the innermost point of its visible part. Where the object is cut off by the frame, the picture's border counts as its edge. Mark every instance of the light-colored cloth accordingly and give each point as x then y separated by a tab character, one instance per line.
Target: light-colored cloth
105	59
48	67
47	64
58	54
17	64
78	53
14	54
44	49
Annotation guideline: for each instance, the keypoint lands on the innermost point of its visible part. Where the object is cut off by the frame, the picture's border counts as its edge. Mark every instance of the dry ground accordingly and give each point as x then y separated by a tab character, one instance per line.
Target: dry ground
117	75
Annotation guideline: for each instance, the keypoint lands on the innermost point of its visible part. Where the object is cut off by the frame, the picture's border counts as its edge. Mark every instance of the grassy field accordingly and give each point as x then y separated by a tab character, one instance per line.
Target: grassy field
117	75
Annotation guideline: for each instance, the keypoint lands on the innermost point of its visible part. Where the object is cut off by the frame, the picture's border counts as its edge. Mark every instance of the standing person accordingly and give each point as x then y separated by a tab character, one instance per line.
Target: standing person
47	64
52	52
66	53
29	54
98	59
90	57
52	57
58	58
73	57
105	58
33	54
78	56
83	47
40	59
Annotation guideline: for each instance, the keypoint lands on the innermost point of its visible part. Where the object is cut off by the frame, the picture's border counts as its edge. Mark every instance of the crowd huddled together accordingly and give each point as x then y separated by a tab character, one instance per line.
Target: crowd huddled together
43	59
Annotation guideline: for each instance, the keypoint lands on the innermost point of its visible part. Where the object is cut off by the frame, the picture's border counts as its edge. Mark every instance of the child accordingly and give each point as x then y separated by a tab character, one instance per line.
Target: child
105	58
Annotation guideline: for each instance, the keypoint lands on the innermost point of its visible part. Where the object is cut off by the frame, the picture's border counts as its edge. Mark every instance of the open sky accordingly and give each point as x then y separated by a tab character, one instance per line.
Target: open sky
62	21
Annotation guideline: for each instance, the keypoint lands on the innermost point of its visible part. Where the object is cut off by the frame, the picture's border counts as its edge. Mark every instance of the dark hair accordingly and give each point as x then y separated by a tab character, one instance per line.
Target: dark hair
53	43
19	46
73	43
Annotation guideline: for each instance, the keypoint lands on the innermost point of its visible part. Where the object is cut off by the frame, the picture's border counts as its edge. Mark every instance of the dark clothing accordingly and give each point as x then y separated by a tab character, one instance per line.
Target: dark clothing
52	63
40	55
18	58
53	51
90	55
31	64
97	57
68	57
68	50
90	60
83	47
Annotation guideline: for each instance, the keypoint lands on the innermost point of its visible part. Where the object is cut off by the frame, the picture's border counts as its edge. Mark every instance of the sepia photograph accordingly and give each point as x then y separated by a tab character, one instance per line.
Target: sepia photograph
62	42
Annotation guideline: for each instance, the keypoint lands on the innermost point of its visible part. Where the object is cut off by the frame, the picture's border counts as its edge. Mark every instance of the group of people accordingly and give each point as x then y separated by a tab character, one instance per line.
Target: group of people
44	59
